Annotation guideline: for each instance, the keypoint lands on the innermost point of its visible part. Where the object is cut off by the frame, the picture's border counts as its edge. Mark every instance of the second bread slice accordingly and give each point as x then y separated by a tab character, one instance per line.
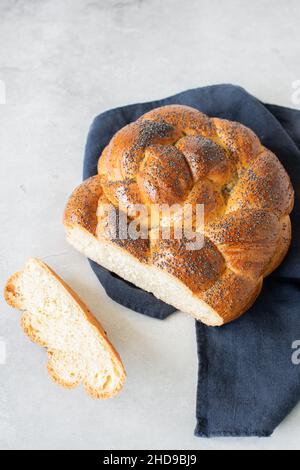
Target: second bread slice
54	317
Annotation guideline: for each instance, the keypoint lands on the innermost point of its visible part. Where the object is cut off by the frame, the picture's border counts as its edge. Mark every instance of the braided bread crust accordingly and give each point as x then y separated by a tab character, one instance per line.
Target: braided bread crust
177	155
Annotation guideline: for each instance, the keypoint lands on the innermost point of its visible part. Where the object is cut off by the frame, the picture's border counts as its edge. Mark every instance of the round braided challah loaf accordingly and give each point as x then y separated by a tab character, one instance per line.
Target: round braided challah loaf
177	155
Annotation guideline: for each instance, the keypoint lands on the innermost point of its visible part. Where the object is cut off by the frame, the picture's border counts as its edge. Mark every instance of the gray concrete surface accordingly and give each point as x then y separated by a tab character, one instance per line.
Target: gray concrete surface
63	62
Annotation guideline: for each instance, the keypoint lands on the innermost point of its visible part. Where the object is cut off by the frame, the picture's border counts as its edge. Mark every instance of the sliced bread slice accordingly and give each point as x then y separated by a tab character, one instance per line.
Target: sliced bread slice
54	317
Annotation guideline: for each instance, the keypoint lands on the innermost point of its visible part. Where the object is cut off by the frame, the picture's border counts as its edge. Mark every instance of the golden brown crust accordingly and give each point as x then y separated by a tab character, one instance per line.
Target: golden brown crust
264	185
206	193
283	245
242	144
12	296
231	295
185	120
164	176
14	299
175	154
82	207
197	270
205	158
247	239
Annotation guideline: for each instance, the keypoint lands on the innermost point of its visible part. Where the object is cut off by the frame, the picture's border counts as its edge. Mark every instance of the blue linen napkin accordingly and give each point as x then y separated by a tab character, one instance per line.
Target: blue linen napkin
247	380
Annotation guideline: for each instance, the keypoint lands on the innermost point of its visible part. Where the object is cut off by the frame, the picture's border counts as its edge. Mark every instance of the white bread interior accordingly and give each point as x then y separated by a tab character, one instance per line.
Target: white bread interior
149	278
55	318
